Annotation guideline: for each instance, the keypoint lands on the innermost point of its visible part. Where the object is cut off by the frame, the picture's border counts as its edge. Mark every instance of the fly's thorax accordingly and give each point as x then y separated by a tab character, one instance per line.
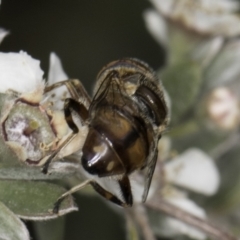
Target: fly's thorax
137	80
127	71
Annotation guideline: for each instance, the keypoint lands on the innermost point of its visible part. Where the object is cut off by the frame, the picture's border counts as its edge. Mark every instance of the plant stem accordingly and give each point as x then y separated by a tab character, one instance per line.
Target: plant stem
203	225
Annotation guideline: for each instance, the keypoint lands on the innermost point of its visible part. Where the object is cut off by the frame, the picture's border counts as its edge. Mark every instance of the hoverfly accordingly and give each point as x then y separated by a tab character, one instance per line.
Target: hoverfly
125	119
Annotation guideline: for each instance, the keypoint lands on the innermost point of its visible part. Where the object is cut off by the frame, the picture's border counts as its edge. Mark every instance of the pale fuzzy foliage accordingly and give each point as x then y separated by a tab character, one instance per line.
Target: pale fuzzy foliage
11	227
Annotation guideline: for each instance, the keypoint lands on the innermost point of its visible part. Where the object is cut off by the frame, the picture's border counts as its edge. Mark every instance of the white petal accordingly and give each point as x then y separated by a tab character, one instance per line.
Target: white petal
175	227
3	33
164	6
188	205
56	72
225	68
206	51
21	73
193	170
156	26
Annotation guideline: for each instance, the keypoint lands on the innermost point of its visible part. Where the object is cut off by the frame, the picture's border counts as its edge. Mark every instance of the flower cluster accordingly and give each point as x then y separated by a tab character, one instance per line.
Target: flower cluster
201	77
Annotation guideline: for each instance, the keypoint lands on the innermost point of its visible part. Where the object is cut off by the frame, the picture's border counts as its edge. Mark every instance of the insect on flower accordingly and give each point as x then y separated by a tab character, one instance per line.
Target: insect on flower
126	118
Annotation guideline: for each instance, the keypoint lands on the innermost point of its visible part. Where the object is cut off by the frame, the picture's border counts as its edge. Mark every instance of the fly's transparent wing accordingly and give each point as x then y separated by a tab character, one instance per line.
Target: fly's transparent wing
150	170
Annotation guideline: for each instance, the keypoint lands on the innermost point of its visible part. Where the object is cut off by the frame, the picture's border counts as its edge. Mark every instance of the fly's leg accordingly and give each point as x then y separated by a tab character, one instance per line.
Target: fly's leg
78	103
109	196
71	191
125	186
99	189
75	89
69	104
150	171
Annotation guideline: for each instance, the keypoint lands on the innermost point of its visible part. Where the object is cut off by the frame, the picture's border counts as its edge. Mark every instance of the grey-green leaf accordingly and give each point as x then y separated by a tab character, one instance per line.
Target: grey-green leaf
34	200
11	227
182	82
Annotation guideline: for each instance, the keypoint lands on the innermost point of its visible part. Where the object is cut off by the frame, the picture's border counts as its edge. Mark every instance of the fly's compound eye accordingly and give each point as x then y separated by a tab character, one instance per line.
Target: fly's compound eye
153	104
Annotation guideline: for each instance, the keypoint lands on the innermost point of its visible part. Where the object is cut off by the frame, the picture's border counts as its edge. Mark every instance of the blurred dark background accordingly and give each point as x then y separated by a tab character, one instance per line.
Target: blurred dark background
86	35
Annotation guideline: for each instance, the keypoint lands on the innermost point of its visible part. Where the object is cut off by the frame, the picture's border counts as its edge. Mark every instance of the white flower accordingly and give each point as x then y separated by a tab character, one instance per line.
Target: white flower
209	17
192	170
34	126
193	29
20	73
